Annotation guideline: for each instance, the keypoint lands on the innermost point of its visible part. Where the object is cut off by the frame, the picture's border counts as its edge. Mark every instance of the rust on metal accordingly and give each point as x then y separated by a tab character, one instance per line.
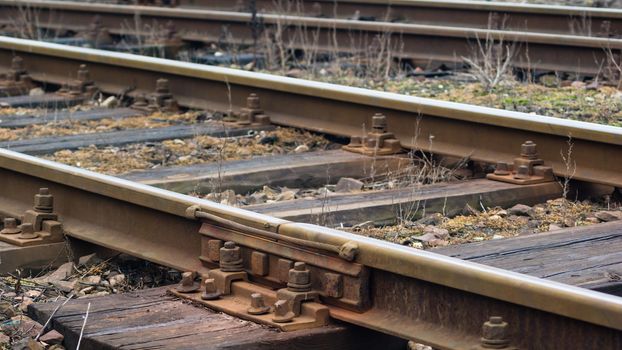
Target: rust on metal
445	128
39	225
187	284
258	306
252	302
16	81
160	100
556	52
252	114
441	301
210	291
475	14
377	142
526	170
81	87
495	334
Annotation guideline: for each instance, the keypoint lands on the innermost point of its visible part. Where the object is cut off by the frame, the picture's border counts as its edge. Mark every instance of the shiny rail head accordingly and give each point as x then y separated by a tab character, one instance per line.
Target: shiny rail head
416	105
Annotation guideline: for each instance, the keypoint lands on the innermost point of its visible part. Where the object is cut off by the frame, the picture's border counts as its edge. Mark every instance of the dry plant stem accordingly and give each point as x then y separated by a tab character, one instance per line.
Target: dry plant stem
491	60
571	167
56	309
86	316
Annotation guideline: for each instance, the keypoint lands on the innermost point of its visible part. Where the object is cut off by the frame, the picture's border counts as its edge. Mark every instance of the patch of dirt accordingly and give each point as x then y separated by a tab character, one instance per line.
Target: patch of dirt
200	149
17	111
493	223
75	127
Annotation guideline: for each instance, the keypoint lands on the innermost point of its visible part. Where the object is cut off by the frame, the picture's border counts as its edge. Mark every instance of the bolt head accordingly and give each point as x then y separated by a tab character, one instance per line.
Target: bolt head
44	201
379	122
529	150
210	292
282	314
28	231
17	63
349	250
495	332
502	168
522	173
10	223
162	85
27	228
299	278
252	102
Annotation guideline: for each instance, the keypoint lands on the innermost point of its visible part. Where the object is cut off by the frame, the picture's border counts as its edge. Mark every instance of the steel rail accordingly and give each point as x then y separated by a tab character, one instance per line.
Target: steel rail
419	43
474	14
482	134
418	295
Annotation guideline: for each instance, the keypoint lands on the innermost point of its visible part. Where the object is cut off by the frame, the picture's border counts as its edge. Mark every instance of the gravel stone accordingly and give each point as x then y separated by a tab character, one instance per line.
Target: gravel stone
520	210
348	184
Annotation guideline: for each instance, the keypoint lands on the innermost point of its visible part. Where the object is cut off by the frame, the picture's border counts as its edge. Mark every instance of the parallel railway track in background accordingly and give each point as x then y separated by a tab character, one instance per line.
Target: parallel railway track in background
422	44
470	14
418	295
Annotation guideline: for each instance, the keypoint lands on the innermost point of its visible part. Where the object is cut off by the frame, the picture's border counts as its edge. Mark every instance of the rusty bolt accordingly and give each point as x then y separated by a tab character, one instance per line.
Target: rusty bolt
379	123
162	86
28	232
258	306
187	284
349	250
282	312
17	64
231	258
299	278
495	333
10	227
252	102
528	150
210	292
83	73
44	201
502	168
522	173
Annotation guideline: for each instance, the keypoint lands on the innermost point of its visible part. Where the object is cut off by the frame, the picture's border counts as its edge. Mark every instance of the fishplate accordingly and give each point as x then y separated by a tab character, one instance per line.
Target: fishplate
282	283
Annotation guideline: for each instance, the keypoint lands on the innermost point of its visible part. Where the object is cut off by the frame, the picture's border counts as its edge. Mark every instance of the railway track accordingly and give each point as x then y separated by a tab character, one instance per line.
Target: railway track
444	45
472	14
435	299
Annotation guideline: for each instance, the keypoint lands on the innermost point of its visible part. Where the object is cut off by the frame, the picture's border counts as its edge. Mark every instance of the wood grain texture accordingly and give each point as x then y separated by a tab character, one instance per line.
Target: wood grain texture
384	207
589	256
304	170
20	121
41	101
47	145
152	319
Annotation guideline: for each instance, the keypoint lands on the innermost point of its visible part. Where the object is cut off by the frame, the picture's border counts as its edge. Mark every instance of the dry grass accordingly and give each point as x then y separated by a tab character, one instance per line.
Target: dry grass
200	149
495	223
74	127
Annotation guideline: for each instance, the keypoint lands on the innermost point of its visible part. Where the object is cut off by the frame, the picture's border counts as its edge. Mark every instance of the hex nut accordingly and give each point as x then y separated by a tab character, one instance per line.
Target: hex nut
299	278
495	333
